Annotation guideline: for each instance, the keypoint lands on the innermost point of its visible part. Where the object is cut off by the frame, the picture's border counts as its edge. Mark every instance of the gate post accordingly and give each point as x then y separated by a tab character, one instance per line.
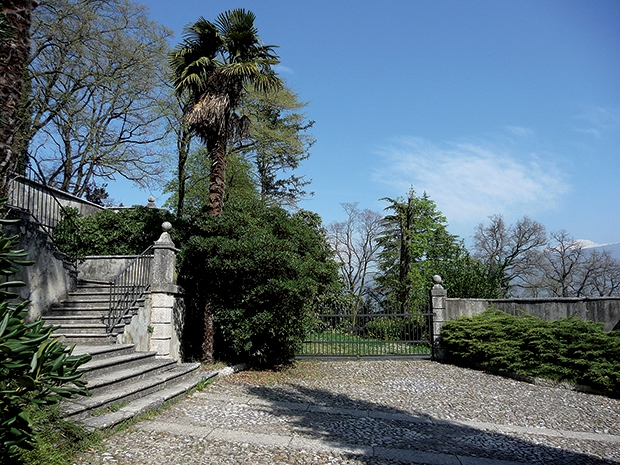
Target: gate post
164	292
438	302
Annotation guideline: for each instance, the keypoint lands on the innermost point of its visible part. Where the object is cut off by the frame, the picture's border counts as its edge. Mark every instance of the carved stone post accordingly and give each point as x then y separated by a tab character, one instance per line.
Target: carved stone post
164	338
438	299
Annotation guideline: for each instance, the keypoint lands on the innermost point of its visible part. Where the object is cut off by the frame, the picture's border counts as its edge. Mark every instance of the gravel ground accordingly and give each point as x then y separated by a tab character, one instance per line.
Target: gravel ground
372	412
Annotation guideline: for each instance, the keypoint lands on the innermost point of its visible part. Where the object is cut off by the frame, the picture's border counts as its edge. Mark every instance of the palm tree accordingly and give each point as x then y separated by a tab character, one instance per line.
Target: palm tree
14	56
213	66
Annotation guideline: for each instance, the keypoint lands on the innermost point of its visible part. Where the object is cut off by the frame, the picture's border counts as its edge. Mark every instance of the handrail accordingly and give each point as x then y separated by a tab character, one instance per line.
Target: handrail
38	201
127	288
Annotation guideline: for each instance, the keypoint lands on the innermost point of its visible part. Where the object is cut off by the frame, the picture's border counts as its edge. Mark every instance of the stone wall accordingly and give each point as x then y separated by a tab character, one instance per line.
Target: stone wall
39	200
103	268
604	310
48	280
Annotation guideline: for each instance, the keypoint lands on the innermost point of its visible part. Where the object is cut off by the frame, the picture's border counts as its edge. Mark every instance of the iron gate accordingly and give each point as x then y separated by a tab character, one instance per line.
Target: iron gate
364	335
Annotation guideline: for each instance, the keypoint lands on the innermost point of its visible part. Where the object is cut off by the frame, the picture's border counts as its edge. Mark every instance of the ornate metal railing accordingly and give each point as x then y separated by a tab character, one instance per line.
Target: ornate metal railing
128	288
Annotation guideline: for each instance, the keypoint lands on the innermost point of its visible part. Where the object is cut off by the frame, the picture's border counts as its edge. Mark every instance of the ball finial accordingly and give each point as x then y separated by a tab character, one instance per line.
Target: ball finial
166	226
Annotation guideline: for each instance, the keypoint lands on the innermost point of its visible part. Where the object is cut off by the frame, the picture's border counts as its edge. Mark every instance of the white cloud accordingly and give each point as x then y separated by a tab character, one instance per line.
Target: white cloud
598	120
283	69
471	181
520	131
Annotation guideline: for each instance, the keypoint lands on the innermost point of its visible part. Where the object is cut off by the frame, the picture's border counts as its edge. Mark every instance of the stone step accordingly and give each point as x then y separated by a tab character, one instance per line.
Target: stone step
145	403
83	310
99	352
99	301
122	376
84	338
119	395
86	317
63	329
104	365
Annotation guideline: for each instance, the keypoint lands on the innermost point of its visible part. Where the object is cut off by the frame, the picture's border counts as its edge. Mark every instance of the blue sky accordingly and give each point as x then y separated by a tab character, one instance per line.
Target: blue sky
491	107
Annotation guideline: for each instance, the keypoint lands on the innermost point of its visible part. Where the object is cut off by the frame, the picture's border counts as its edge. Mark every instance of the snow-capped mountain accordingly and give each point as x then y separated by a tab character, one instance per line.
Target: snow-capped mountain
613	248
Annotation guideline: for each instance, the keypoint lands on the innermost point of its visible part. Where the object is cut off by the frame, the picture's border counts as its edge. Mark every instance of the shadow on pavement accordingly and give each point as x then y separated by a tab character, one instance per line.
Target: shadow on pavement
343	421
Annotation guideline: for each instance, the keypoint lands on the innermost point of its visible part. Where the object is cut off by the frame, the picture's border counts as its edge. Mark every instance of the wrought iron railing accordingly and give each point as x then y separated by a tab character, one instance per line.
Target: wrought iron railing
128	288
29	195
378	334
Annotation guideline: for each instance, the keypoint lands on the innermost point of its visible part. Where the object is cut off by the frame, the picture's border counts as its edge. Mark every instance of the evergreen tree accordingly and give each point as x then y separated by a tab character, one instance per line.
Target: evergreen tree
417	245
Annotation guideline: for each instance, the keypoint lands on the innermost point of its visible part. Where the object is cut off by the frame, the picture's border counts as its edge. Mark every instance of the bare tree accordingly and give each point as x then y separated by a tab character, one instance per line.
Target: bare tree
96	74
354	242
605	278
561	265
512	252
568	269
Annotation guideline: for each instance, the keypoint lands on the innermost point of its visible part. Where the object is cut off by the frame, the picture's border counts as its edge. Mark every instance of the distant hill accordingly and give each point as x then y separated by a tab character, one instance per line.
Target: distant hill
613	248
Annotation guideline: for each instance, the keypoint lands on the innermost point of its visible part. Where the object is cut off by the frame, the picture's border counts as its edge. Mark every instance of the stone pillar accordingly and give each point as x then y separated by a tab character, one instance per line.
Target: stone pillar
164	292
438	299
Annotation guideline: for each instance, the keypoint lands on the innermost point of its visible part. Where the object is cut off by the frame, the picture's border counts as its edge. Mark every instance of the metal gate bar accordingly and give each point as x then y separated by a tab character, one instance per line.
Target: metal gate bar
382	335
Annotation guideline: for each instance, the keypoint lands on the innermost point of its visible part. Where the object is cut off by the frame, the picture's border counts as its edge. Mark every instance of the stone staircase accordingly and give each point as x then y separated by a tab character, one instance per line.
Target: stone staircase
122	382
80	318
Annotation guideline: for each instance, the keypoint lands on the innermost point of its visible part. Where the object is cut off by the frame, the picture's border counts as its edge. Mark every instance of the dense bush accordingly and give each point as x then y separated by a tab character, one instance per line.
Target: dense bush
263	271
568	349
34	366
124	232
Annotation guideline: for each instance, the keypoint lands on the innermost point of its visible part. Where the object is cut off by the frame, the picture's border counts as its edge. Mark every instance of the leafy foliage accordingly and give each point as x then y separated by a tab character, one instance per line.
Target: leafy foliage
35	366
263	271
568	349
393	328
415	245
239	182
214	65
276	144
123	232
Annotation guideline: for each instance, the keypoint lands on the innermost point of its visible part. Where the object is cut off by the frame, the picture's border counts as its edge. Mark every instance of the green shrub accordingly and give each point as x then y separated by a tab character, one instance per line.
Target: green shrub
386	328
124	232
34	366
263	271
568	349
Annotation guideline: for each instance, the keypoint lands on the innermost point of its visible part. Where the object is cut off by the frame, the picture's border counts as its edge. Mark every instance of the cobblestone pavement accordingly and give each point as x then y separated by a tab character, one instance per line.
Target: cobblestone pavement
373	412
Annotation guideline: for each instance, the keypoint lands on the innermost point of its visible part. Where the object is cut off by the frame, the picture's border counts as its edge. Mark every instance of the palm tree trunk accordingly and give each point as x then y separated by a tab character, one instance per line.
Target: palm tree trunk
217	180
216	146
14	55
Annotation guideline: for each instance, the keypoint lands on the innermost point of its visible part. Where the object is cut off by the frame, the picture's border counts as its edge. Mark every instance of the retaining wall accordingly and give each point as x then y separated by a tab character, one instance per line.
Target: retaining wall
604	310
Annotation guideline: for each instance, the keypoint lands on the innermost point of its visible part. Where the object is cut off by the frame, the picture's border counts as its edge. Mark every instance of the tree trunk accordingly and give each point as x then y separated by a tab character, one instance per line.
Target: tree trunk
14	55
217	183
184	142
209	335
217	179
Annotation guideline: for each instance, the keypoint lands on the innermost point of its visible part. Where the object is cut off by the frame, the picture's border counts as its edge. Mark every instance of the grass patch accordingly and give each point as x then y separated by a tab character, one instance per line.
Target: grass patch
333	342
568	350
58	441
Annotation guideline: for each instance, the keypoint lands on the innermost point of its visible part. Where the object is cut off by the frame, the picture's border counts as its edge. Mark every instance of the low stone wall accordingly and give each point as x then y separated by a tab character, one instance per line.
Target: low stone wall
103	268
604	310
